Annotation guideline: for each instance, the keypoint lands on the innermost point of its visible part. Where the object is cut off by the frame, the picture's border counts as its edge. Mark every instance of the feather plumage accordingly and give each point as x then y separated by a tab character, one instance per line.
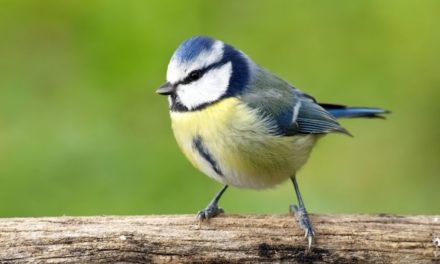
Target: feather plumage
290	110
342	111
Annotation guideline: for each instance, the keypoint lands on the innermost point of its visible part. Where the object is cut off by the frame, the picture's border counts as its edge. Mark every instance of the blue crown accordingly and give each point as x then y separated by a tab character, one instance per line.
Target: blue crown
192	47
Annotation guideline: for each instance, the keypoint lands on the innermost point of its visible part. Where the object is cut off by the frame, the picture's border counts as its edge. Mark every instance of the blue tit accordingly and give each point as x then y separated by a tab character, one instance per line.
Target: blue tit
242	125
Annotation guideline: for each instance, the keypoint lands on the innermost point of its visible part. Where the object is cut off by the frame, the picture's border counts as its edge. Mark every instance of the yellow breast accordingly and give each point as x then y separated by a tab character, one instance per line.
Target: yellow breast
241	143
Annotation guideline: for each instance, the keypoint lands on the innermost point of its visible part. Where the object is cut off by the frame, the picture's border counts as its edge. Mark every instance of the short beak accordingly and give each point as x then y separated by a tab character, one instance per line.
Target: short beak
166	89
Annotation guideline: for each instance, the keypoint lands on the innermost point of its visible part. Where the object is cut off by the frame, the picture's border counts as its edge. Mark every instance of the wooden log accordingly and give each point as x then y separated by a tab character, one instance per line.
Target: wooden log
228	238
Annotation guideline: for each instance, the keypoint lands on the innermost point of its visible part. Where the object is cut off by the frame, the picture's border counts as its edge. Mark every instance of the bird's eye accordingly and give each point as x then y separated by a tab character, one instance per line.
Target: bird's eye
194	75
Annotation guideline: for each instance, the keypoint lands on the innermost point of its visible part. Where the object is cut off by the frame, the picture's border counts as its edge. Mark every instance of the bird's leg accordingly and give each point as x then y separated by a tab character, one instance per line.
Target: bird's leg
301	214
212	209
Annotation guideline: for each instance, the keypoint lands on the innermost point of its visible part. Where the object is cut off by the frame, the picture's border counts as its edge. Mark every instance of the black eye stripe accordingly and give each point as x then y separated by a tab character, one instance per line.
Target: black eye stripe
197	74
193	76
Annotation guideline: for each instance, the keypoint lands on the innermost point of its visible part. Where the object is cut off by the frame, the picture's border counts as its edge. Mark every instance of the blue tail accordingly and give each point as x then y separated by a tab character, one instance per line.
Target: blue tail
341	111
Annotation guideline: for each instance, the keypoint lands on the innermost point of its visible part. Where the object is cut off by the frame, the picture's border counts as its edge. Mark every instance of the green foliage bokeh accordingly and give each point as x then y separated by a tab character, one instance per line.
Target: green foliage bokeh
82	131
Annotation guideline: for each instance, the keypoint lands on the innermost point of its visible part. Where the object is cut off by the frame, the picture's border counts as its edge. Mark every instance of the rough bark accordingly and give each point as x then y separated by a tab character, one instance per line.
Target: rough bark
231	238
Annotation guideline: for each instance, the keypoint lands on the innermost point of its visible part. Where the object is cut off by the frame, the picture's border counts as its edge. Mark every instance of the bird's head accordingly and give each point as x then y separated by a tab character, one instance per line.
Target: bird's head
203	71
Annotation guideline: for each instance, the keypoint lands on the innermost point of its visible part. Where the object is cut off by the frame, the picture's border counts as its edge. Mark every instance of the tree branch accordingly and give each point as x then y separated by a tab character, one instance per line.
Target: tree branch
230	238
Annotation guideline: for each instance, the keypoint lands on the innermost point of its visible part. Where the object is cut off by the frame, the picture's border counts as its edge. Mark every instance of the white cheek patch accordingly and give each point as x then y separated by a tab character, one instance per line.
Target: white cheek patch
207	89
177	70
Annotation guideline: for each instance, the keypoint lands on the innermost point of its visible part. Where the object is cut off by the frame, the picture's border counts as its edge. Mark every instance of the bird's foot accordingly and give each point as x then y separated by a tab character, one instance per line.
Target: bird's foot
304	222
209	212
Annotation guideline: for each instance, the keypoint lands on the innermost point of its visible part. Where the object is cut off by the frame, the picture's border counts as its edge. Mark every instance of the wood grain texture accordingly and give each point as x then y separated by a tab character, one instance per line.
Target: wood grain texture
230	238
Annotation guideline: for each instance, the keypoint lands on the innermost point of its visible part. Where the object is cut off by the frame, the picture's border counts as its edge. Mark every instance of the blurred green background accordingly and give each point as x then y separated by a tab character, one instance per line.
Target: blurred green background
82	131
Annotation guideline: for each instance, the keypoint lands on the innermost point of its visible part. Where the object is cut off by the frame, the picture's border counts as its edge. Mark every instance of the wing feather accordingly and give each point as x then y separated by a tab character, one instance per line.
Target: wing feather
290	110
313	119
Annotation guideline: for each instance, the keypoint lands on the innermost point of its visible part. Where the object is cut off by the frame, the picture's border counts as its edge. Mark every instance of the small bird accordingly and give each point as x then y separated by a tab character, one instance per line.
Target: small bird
242	125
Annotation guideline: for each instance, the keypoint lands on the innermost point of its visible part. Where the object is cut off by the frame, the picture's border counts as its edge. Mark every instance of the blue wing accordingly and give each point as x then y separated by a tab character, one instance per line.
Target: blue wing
312	118
293	112
315	118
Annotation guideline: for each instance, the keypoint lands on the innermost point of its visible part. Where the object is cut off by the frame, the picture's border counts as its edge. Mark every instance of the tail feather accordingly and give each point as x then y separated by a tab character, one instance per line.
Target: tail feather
341	111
